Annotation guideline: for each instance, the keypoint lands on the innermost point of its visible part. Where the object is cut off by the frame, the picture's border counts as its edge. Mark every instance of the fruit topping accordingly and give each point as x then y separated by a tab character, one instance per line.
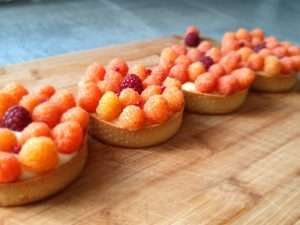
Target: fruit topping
48	113
10	168
192	39
132	81
8	140
39	154
109	106
76	114
128	96
88	96
207	61
16	118
35	129
174	97
259	47
63	99
157	109
131	118
68	136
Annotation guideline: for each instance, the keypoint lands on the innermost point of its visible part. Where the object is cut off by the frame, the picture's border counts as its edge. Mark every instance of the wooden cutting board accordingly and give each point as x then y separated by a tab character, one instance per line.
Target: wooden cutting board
242	168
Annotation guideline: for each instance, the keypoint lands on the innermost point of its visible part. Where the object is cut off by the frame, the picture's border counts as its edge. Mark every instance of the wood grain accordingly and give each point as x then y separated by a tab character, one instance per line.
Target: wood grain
242	168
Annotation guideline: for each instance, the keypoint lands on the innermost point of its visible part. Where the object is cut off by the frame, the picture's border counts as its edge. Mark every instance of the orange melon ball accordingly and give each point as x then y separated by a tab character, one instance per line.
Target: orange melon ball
64	99
88	97
204	46
68	136
195	69
206	83
15	90
128	96
76	114
255	62
131	118
179	72
39	154
156	109
94	72
10	168
109	106
195	54
139	70
118	65
174	97
35	129
227	85
150	91
168	55
8	140
272	66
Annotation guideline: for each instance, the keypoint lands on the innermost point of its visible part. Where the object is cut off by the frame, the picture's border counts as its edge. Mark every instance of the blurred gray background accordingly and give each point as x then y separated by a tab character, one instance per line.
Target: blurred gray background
34	29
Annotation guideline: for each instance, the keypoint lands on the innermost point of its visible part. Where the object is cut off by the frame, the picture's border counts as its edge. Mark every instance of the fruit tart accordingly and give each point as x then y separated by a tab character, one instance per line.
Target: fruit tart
276	63
130	107
42	143
212	82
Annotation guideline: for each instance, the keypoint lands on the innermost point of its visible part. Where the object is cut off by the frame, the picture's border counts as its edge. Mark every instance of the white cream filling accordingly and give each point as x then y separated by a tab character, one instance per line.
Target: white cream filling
62	159
189	86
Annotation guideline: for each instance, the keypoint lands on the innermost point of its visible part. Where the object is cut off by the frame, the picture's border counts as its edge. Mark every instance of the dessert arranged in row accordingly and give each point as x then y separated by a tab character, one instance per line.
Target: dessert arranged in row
131	107
42	142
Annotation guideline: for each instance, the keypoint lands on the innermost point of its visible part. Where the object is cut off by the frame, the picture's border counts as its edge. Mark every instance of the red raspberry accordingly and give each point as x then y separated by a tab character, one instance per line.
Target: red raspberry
207	61
192	39
259	47
132	81
16	118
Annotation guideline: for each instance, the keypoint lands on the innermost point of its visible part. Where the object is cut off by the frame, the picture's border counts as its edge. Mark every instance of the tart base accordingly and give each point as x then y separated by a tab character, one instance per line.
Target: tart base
145	137
38	188
213	103
280	83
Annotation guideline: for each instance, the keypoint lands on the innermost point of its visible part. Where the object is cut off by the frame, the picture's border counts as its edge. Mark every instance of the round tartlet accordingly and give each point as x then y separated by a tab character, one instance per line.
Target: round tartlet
148	136
212	103
280	83
40	187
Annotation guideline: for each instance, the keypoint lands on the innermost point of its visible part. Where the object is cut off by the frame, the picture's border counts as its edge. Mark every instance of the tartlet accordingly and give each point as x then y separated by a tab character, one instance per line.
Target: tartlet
42	143
212	82
275	62
130	107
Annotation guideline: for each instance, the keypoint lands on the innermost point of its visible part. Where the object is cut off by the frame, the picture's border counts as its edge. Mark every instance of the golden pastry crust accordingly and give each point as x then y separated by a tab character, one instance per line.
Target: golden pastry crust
144	137
213	103
280	83
40	187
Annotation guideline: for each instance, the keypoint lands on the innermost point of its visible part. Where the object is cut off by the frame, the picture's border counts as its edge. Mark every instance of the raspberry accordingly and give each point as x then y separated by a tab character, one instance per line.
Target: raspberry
35	129
68	136
149	91
48	113
132	81
16	91
30	101
95	72
8	140
46	91
64	99
16	118
5	103
192	39
10	168
88	96
131	118
129	96
76	114
157	109
174	97
109	106
259	47
207	61
39	154
118	65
